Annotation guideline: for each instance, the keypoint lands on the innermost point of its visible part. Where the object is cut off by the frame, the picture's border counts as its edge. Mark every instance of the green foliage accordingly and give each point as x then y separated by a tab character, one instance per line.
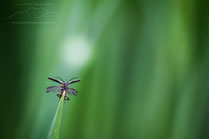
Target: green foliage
143	65
55	126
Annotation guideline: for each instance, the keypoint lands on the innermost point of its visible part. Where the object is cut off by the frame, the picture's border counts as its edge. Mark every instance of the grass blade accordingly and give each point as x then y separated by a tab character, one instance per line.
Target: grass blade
55	126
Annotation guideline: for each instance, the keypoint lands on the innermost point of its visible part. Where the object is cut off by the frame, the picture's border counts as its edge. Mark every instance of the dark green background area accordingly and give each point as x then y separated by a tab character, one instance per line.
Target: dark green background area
143	67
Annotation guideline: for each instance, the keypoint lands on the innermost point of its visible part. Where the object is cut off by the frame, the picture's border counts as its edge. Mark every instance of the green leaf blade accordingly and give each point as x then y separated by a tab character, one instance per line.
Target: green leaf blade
55	126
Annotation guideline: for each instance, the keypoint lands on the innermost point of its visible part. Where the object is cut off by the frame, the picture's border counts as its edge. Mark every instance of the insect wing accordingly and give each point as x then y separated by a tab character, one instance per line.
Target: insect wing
72	91
53	89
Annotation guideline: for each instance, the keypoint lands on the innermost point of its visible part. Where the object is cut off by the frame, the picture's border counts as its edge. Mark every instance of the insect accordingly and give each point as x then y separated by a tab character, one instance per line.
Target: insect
64	86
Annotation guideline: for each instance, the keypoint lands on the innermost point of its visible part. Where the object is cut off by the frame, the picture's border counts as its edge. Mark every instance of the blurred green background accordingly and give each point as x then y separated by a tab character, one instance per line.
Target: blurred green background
143	66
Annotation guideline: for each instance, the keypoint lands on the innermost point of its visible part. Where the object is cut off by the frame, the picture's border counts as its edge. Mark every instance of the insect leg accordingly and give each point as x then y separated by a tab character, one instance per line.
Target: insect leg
59	96
66	99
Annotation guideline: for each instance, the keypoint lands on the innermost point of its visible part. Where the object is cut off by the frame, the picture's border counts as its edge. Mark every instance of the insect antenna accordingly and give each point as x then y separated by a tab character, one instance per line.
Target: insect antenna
72	79
55	80
60	79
